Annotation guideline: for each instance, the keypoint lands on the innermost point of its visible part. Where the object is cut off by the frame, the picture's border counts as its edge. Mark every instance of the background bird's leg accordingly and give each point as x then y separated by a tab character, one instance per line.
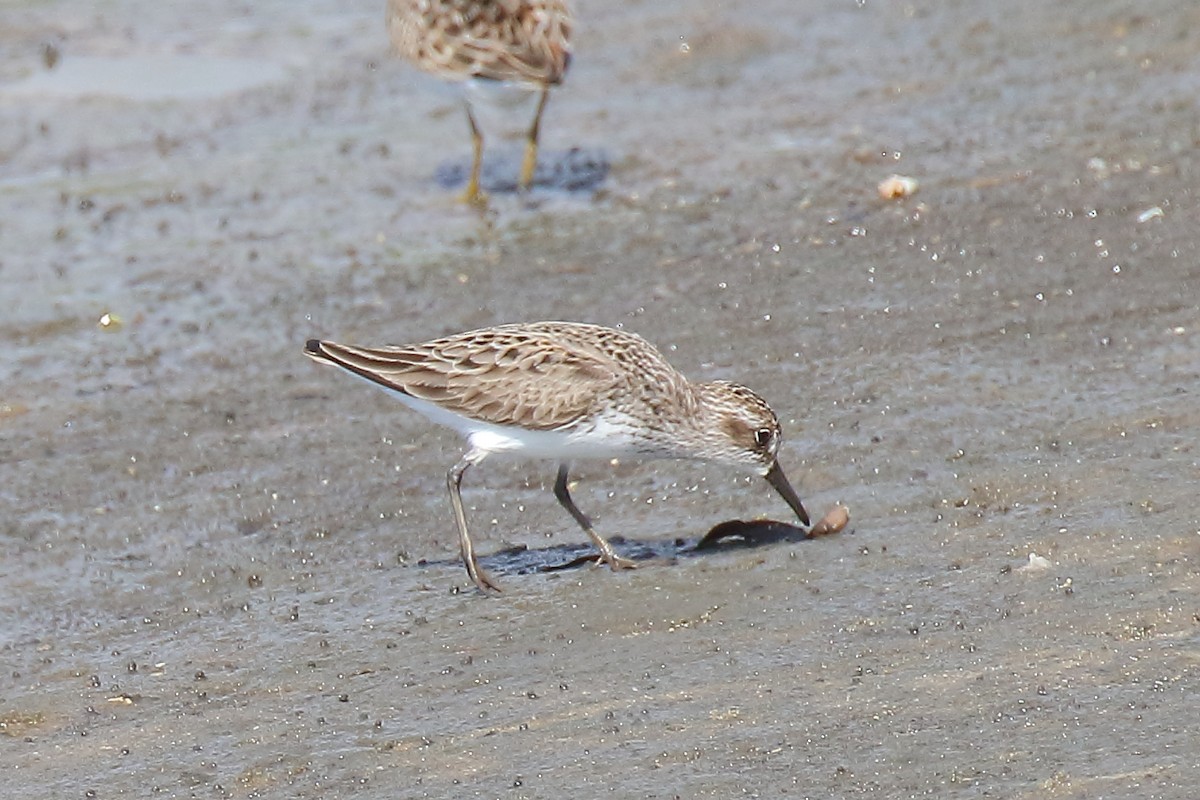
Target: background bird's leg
529	165
473	194
607	554
454	482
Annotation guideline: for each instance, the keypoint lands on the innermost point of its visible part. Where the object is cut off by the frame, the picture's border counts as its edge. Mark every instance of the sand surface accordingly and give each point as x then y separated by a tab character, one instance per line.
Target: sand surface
226	572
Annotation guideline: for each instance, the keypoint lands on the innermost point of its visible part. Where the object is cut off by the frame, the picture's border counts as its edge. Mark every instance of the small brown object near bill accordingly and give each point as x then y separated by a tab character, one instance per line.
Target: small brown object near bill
834	521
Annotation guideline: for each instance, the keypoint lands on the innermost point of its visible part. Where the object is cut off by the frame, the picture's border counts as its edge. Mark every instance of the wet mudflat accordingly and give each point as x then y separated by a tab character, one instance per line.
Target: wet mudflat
228	573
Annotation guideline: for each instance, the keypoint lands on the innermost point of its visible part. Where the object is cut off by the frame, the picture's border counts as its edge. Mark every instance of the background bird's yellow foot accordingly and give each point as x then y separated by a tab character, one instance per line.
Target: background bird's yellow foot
474	197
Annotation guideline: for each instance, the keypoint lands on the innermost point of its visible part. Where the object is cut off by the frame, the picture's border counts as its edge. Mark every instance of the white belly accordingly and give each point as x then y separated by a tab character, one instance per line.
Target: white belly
603	439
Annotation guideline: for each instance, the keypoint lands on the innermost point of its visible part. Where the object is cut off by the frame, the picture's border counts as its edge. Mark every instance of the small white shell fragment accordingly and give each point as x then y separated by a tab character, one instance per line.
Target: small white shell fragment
1150	213
1036	563
897	186
109	322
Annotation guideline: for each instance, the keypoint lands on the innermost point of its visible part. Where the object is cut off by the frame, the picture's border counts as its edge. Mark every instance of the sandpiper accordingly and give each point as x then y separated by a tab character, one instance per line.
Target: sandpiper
567	390
524	42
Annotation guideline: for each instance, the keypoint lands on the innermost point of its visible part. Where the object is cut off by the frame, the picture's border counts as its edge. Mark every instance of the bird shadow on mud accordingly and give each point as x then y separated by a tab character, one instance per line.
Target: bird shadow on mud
730	535
578	169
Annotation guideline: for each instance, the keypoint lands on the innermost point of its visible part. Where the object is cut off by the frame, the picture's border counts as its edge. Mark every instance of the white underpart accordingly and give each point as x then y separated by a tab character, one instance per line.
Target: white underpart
606	437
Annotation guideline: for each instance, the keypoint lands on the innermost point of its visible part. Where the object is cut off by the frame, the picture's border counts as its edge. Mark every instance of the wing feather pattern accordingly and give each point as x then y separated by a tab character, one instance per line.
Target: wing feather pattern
506	40
509	375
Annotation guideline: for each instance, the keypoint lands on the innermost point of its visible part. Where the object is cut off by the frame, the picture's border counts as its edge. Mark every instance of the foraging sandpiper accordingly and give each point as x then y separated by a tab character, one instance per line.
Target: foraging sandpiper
567	390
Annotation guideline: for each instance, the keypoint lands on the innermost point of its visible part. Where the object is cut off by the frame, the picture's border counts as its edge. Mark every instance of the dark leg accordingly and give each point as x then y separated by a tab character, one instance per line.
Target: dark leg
529	165
473	195
454	481
607	554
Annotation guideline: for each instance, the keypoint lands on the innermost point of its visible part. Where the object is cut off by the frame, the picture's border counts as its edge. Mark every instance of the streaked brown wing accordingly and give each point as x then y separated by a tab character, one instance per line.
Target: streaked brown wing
526	41
512	379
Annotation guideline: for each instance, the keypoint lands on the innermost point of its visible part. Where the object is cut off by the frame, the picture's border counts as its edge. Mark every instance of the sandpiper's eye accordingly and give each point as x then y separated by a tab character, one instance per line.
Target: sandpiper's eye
763	436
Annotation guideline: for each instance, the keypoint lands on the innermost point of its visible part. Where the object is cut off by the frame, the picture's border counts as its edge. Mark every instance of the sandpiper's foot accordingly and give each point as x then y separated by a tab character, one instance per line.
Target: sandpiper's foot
485	582
474	197
609	556
619	562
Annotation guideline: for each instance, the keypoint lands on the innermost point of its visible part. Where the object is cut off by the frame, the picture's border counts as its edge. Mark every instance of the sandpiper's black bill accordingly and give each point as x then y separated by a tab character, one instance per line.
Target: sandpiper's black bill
776	478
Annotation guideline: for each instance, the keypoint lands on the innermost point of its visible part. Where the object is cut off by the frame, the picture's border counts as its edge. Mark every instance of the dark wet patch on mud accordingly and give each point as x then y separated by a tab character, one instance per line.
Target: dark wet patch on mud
732	534
575	170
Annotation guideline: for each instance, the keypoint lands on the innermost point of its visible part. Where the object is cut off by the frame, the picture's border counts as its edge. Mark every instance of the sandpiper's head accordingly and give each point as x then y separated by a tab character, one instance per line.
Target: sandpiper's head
742	430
